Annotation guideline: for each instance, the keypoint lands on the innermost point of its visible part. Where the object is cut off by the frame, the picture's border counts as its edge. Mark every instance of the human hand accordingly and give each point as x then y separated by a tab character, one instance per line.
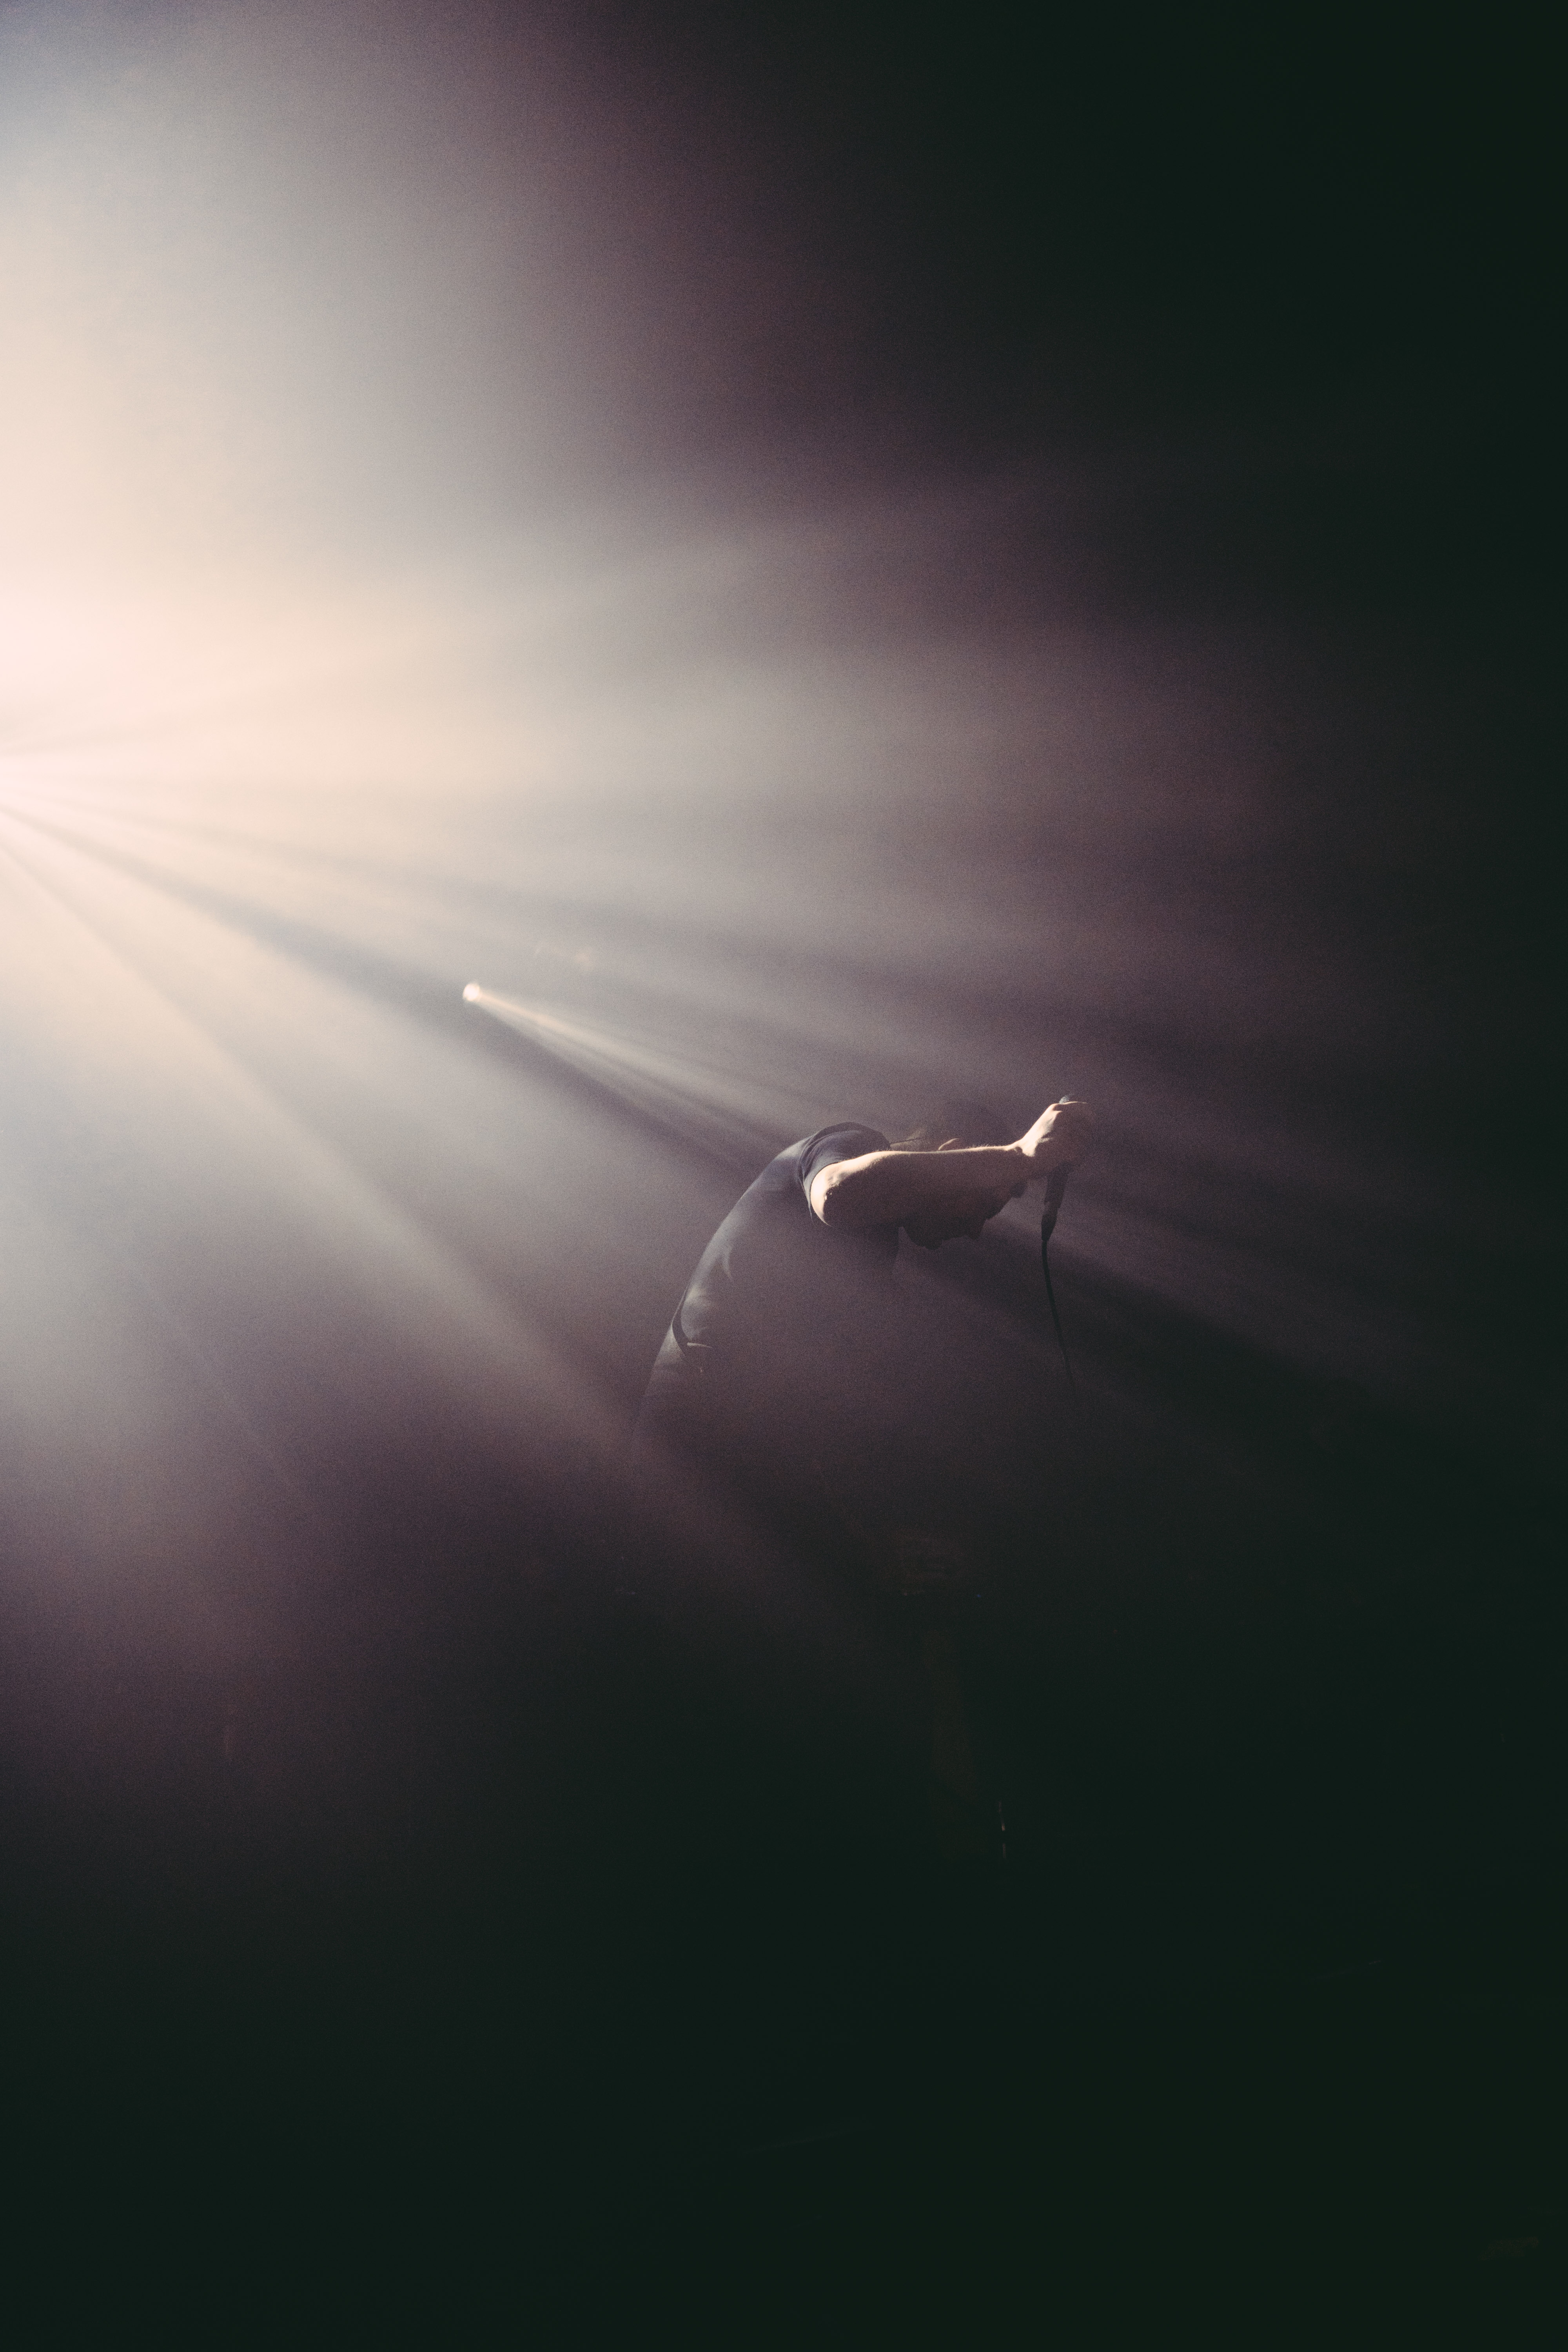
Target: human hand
1059	1138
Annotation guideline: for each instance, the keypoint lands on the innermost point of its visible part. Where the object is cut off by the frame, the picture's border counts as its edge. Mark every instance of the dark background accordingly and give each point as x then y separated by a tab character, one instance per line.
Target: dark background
570	1908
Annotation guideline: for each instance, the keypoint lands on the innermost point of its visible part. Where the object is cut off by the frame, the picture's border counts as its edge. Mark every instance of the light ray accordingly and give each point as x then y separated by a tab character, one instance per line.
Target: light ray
754	806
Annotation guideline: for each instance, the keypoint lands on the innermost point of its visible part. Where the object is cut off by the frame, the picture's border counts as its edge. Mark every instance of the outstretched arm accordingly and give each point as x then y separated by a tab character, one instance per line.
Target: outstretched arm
886	1188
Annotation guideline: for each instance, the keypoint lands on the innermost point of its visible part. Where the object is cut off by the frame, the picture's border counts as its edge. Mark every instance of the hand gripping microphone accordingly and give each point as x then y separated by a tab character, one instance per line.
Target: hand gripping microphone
1055	1190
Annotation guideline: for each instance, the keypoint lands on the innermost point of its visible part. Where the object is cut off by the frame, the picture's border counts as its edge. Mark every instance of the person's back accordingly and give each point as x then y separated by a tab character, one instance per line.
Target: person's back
783	1343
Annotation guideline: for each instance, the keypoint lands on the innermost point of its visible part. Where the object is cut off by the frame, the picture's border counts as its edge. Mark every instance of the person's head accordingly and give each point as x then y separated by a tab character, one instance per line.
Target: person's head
964	1213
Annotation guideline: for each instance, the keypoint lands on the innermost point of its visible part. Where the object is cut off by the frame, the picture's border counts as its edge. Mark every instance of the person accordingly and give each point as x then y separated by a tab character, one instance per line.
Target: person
787	1385
795	1391
776	1375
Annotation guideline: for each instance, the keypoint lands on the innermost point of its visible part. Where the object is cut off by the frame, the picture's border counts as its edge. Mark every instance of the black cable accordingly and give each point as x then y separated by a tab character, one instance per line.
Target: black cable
1056	1186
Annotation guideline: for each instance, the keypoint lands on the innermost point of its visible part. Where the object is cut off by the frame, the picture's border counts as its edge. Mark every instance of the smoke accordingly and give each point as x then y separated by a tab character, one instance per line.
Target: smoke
407	581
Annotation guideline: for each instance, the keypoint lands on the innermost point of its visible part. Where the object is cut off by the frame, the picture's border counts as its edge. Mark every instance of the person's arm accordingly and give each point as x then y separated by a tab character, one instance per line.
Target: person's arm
884	1187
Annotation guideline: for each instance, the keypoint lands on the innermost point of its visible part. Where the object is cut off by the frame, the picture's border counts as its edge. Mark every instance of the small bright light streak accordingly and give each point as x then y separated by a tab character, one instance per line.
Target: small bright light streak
709	1102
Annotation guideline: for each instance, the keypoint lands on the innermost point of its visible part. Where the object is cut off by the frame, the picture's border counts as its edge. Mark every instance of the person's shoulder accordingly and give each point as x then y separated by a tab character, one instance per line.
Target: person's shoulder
844	1138
847	1139
791	1170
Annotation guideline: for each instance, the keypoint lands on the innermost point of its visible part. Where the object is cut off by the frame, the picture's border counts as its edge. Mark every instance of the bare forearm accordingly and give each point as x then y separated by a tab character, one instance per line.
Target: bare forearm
883	1188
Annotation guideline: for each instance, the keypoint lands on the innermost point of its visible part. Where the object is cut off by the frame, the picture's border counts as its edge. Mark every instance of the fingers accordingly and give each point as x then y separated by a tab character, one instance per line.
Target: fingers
1071	1131
1059	1136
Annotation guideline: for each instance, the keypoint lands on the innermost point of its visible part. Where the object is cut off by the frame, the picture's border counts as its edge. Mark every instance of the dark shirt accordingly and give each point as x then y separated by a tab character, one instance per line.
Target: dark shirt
777	1371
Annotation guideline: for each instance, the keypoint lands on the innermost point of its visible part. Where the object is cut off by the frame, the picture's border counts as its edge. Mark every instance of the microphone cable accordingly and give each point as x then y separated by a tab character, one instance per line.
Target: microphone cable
1055	1187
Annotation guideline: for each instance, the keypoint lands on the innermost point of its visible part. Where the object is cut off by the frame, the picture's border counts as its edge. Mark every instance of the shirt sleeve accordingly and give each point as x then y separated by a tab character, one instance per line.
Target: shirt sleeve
833	1143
